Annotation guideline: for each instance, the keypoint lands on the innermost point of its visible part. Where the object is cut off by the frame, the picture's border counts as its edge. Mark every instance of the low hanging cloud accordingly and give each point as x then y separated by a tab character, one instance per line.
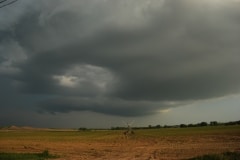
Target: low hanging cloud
128	57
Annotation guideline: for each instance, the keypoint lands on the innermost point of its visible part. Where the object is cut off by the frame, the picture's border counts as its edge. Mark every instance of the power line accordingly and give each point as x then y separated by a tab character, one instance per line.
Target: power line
3	1
8	3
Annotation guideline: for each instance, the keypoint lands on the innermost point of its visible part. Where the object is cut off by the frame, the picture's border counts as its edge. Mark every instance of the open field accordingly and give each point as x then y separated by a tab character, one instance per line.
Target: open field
162	144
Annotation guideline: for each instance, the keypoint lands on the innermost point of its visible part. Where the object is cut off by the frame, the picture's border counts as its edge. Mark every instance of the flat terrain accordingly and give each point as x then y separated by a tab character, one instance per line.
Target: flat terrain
162	144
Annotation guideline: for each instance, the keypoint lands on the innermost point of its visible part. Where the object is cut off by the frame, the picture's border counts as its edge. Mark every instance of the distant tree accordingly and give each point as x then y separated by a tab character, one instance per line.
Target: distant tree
232	123
166	126
238	122
82	129
203	124
191	125
183	125
213	123
117	128
158	126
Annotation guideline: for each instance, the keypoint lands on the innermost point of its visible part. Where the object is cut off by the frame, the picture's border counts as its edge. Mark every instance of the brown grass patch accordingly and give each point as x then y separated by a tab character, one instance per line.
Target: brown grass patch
161	144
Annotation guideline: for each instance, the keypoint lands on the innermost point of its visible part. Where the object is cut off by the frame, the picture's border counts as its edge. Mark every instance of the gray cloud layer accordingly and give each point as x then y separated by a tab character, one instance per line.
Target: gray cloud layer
118	57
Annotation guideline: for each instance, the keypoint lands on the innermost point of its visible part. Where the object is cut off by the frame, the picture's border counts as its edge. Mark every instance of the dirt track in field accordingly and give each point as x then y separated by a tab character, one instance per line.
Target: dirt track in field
167	148
132	148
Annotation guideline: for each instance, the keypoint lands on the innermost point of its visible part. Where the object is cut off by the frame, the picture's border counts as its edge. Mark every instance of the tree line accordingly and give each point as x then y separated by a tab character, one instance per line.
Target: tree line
201	124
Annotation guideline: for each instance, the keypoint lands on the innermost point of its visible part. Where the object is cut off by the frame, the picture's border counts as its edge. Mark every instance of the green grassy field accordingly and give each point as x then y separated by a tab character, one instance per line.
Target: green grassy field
27	156
208	130
222	156
89	135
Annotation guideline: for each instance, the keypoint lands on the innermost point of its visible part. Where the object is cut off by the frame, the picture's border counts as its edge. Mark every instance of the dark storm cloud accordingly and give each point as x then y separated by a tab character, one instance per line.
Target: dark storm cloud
123	57
111	106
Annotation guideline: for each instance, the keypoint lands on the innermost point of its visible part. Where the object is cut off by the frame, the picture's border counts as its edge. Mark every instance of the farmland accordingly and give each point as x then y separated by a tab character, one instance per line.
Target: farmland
146	144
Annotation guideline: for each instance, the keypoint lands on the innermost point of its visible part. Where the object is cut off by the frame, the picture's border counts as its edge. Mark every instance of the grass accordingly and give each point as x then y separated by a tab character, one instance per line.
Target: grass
26	156
224	156
105	135
192	131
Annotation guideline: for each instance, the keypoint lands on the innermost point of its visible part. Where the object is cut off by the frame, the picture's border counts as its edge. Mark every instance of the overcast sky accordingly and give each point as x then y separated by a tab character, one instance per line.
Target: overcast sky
96	63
